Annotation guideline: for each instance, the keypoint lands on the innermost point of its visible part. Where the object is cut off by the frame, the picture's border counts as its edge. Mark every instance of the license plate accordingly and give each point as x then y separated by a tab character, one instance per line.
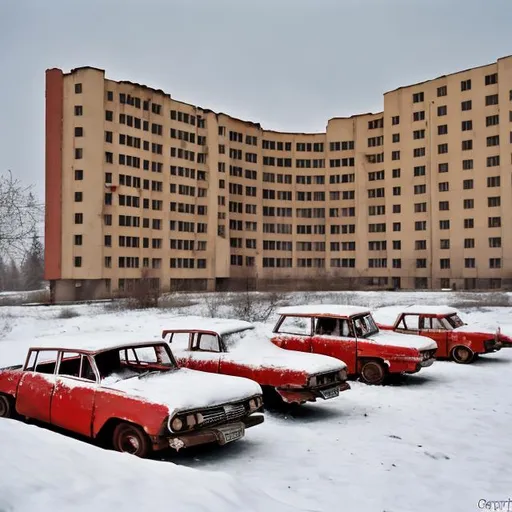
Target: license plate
229	434
330	393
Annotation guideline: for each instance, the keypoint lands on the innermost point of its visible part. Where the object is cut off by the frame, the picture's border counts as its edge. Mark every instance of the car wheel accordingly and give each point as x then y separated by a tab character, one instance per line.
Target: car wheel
131	439
373	372
463	355
6	407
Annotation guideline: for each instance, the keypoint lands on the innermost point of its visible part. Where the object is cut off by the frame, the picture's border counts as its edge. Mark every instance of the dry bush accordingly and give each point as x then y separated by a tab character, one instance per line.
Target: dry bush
462	300
256	307
214	302
68	313
175	300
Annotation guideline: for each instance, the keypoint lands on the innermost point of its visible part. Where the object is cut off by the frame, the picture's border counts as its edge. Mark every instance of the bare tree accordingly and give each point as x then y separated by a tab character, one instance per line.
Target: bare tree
19	216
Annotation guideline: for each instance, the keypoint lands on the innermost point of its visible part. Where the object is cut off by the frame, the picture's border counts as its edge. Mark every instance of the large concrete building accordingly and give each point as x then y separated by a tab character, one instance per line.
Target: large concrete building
141	184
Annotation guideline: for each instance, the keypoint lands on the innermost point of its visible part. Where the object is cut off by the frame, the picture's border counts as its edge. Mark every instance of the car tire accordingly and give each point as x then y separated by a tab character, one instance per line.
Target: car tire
129	438
373	372
6	406
462	355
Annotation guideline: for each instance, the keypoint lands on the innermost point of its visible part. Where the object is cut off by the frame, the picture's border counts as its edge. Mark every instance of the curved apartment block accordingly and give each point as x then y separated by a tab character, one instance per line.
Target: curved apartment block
139	184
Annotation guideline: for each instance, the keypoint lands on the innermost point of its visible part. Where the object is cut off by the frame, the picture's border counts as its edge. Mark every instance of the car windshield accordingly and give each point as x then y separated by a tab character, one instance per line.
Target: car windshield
135	361
232	339
455	321
364	326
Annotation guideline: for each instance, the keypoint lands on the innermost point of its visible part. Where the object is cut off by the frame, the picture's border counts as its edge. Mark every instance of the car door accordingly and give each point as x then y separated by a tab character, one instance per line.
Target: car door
35	389
334	337
293	333
409	324
72	404
205	352
433	327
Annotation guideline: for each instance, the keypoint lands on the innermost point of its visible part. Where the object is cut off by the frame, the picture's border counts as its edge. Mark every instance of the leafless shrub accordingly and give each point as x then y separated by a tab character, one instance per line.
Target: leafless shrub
19	216
174	301
18	299
214	302
67	313
465	300
256	307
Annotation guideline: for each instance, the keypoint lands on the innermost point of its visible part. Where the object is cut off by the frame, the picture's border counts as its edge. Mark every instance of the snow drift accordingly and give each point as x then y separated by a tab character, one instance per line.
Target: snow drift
45	471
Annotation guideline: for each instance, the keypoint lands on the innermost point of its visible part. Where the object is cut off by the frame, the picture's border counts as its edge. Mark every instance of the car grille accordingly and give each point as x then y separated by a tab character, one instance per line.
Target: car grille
229	412
327	378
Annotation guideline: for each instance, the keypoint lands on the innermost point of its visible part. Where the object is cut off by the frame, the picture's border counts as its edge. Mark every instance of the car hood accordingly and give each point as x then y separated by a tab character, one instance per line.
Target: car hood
482	329
184	389
404	340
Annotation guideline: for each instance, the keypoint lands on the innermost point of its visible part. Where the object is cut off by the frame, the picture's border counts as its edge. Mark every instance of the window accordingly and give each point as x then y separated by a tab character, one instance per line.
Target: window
493	181
442	148
419	170
78	239
467	184
469	243
443	167
78	197
492	99
467	165
492	120
79	218
493	161
442	129
493	202
465	85
418	97
444	263
395	120
493	140
78	261
79	153
469	204
495	242
418	152
396	137
79	110
444	243
467	125
444	224
444	205
79	131
418	116
79	174
466	105
420	245
442	91
469	262
444	186
469	223
491	79
494	262
396	173
442	110
467	145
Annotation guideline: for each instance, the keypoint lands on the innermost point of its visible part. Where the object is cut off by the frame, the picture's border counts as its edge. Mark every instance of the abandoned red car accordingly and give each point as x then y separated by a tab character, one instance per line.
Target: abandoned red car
133	396
234	347
350	333
455	340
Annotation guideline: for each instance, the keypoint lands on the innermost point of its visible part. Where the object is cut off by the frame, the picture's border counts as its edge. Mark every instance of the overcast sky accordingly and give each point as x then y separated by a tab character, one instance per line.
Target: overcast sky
289	64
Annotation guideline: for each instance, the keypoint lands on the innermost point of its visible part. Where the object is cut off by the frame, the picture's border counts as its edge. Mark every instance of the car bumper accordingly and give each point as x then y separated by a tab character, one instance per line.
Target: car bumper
492	346
302	395
506	344
220	434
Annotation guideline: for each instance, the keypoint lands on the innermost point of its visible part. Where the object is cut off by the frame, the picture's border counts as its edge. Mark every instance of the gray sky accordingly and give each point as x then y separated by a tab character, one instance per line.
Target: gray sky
289	64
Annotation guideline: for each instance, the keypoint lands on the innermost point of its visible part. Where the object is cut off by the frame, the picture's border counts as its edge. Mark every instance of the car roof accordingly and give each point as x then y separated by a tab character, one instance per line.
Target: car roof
334	310
430	310
221	326
93	345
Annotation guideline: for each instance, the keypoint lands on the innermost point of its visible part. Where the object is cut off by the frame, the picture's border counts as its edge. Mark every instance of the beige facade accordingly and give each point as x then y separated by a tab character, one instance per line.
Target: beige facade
416	196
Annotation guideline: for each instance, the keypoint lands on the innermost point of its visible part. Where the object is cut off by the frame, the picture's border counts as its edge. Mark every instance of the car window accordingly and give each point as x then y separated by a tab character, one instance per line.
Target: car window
206	342
295	325
327	326
409	323
364	326
74	364
42	361
454	321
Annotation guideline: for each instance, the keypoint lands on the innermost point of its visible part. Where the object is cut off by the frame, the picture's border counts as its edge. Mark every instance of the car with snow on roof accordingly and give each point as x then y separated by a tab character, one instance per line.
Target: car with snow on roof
238	348
455	339
350	333
134	396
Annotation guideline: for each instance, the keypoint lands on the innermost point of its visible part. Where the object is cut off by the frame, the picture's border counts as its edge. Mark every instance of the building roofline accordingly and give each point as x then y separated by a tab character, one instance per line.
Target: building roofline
447	75
258	125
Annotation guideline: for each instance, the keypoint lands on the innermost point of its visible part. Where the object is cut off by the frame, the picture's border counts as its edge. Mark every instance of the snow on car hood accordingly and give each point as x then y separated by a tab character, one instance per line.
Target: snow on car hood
183	389
483	329
404	340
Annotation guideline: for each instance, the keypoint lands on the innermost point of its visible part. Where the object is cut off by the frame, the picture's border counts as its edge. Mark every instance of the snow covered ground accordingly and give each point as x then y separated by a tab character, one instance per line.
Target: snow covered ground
437	441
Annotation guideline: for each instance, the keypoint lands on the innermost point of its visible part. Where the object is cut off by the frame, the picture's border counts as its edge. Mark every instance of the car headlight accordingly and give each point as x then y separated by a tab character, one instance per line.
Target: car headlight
312	381
343	375
177	424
